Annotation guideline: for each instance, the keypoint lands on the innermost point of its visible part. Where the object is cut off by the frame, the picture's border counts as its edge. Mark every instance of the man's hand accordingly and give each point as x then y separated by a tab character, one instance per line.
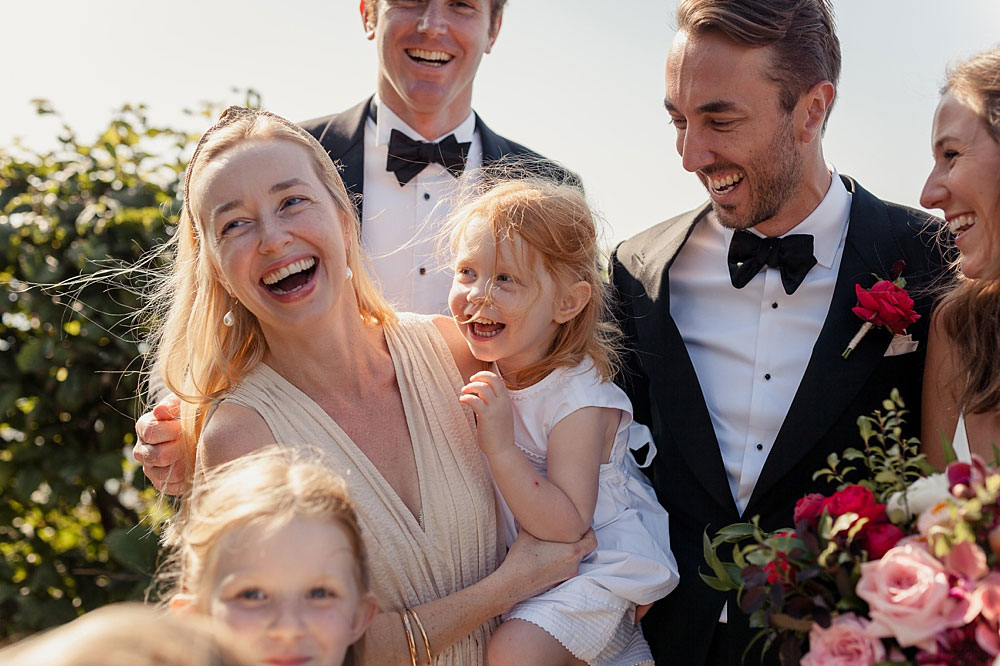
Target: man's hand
160	450
487	396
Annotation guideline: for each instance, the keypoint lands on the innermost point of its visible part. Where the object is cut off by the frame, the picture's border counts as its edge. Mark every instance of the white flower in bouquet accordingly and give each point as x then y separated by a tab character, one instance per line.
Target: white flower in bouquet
923	494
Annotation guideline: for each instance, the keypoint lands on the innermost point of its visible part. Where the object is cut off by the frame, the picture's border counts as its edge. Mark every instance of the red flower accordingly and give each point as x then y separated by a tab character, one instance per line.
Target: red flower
809	508
779	569
879	538
886	305
856	499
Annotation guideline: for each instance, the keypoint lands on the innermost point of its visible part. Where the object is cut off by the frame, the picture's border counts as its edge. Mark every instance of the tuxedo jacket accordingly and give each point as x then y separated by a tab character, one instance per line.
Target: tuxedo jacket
343	137
688	472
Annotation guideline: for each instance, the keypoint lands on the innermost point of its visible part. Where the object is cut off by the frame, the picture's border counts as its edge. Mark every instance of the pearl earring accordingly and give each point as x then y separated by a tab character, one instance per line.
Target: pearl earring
229	319
350	273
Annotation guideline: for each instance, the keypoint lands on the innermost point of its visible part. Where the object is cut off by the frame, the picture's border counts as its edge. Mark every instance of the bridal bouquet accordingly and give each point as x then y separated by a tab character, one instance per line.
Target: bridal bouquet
900	567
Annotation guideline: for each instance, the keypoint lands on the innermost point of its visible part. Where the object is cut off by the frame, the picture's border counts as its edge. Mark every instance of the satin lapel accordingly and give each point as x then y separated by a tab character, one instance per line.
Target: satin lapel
668	366
831	382
344	139
494	146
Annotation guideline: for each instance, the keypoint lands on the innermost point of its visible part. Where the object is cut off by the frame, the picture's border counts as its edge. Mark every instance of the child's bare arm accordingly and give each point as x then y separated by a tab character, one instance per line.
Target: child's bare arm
557	508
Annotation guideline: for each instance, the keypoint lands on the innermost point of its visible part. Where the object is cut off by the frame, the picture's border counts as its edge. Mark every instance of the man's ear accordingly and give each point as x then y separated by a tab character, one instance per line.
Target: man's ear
368	22
494	31
364	616
182	604
573	300
812	109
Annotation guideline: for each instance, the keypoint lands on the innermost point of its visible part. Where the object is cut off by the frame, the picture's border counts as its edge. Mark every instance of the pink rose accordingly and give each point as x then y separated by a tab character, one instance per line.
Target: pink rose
845	643
809	508
885	304
909	597
967	559
988	592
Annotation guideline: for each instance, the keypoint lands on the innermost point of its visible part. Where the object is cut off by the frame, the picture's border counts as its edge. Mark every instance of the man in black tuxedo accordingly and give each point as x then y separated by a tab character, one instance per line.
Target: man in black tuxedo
736	336
428	56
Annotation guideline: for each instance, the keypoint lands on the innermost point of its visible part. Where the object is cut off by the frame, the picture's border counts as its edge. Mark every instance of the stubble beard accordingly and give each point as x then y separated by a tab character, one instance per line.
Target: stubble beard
775	176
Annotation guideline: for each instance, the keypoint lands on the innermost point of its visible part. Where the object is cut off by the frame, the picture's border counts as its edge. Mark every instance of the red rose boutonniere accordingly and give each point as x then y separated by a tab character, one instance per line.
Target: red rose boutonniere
885	304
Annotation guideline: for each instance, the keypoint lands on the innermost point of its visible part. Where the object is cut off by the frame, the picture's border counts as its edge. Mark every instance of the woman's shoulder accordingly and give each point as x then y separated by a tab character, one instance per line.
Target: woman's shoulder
233	430
432	331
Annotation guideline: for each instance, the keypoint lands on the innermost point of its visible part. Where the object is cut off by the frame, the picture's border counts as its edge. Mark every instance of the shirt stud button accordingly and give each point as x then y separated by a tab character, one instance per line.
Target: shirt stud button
760	447
423	271
767	376
427	196
774	306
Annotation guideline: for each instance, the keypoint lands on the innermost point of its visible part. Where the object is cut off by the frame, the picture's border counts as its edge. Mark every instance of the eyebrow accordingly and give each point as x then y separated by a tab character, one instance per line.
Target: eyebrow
943	140
277	187
717	106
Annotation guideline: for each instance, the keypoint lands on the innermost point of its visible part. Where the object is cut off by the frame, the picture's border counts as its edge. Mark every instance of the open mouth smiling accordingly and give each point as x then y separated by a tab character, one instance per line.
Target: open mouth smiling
481	327
431	58
291	278
723	184
959	225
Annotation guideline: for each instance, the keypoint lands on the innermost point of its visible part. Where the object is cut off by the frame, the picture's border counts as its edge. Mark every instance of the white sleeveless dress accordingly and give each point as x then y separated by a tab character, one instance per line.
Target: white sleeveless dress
593	614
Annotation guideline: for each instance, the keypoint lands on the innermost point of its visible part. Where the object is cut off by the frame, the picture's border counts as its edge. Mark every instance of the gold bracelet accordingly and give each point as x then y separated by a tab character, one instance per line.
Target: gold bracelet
423	634
409	637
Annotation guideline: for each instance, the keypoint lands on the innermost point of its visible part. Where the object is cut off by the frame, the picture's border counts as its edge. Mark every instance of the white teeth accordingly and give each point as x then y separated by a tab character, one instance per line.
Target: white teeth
478	319
962	223
290	269
719	184
423	54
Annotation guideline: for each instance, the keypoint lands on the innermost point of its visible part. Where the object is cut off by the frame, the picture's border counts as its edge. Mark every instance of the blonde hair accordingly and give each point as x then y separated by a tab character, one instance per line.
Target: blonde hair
970	313
265	489
130	634
197	356
558	227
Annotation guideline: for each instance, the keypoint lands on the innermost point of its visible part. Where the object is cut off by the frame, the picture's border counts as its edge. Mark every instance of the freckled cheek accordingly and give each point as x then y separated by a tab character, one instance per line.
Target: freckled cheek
456	297
244	622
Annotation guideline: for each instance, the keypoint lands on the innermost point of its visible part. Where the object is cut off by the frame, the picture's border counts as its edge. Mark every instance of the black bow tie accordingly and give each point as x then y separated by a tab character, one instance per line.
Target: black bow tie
408	157
793	255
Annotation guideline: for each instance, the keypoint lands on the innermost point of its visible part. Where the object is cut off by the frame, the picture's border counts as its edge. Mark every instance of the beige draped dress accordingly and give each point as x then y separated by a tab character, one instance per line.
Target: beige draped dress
458	542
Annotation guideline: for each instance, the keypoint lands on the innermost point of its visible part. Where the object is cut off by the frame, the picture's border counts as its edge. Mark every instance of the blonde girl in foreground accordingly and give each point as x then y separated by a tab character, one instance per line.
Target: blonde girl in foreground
271	547
528	297
129	634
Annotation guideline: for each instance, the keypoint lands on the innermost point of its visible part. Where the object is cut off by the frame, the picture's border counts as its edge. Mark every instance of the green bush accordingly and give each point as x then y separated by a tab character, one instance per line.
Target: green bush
77	518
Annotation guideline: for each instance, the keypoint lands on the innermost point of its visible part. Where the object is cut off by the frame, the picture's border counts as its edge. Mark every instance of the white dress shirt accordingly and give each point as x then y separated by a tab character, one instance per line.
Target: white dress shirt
750	346
400	225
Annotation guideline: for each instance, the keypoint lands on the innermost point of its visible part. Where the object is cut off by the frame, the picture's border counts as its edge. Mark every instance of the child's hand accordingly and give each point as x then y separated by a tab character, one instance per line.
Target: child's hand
487	396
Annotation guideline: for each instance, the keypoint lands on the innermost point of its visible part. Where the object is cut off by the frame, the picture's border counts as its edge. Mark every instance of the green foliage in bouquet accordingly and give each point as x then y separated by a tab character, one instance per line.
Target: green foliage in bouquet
77	519
891	463
789	579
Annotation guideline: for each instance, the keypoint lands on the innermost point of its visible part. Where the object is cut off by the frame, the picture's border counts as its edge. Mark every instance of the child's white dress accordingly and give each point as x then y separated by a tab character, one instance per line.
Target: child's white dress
593	614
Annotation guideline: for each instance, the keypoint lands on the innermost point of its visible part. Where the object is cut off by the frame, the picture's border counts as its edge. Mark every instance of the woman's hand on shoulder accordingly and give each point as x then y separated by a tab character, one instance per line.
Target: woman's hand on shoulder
467	364
233	431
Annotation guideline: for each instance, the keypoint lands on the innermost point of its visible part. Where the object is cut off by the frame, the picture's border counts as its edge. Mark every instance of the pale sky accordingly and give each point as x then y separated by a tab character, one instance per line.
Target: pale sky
580	81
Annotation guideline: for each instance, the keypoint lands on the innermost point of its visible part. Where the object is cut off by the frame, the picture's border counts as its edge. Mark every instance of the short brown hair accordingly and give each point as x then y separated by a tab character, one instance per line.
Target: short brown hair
802	33
496	9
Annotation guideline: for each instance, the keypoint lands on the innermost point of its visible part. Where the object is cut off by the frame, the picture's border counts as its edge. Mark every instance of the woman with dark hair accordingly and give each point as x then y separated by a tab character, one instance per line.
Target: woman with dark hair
961	398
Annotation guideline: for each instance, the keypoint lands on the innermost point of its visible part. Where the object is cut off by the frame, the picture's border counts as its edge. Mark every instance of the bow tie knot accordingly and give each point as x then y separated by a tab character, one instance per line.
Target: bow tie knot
408	157
792	255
